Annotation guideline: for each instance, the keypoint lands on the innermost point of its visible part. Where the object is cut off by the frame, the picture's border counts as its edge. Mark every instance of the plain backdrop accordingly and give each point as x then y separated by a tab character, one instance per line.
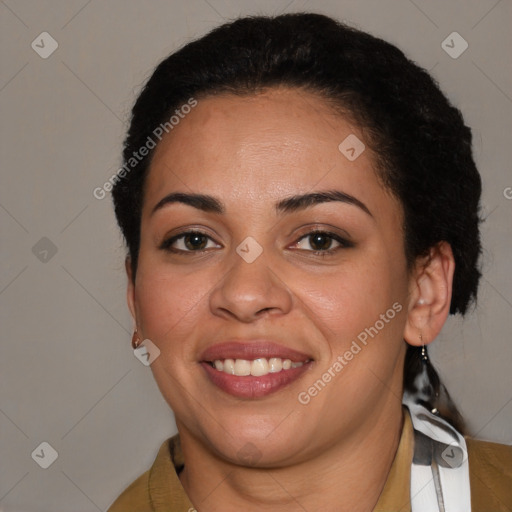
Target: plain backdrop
68	375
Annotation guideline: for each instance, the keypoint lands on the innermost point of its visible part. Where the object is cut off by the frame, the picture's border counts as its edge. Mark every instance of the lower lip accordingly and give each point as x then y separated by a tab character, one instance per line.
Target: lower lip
254	387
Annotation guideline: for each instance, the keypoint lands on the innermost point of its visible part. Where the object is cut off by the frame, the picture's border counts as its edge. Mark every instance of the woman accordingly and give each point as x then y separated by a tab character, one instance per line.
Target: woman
300	206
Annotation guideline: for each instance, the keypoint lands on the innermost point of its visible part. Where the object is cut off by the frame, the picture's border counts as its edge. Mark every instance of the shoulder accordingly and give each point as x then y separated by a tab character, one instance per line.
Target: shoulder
135	497
490	473
159	489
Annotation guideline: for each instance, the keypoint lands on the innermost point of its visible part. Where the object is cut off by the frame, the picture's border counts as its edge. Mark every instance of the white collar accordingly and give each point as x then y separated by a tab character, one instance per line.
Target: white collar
439	472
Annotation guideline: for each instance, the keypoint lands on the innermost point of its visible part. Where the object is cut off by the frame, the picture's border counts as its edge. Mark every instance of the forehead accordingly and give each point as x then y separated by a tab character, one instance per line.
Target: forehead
262	146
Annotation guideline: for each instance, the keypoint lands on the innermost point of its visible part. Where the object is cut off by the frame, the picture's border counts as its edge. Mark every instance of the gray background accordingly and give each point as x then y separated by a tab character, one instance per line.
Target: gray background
68	374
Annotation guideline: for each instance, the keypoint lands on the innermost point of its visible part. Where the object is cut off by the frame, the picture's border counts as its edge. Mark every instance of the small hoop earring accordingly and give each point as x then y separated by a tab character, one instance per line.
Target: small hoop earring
135	340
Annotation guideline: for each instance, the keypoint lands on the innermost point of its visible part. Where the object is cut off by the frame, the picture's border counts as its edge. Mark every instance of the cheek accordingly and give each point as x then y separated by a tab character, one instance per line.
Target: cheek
168	303
361	311
353	297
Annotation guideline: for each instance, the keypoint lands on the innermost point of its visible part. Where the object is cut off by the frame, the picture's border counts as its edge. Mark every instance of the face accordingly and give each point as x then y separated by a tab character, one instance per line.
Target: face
296	253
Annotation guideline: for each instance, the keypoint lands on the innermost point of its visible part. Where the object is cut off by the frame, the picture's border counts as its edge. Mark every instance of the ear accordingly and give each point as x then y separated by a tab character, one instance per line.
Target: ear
130	292
430	295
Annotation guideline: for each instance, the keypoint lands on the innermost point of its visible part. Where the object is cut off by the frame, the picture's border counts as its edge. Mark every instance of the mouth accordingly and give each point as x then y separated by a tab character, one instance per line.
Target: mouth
255	369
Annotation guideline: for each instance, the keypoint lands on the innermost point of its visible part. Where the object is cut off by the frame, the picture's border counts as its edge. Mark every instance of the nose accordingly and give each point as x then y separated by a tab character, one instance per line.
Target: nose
250	291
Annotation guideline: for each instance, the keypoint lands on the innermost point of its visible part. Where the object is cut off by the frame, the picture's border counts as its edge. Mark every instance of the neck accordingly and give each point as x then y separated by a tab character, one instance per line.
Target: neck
349	476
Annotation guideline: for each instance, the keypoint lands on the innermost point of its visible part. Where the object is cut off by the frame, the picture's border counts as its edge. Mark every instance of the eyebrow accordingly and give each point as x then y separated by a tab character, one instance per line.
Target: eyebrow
300	202
202	202
294	203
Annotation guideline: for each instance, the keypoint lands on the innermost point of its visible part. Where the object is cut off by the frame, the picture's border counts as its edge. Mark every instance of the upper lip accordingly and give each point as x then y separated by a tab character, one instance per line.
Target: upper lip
252	349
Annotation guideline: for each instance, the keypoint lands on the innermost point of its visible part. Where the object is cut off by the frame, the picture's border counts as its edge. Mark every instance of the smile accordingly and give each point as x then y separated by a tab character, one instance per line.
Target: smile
253	368
256	368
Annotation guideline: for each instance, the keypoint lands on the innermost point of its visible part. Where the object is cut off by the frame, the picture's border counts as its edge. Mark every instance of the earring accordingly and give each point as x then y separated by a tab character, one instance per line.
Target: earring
135	339
424	355
424	362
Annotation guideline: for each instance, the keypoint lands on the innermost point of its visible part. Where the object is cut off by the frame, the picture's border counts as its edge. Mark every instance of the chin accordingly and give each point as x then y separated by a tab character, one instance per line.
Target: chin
255	440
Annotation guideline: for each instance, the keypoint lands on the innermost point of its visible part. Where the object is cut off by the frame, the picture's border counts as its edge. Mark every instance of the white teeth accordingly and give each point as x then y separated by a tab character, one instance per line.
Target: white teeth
229	366
276	365
242	367
259	367
256	368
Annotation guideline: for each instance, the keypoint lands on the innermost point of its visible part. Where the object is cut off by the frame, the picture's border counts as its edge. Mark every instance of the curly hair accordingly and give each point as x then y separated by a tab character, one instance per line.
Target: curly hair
422	144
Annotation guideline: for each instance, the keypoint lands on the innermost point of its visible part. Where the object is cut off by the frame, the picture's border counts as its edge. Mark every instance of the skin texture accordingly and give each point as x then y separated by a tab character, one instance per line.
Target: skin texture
251	152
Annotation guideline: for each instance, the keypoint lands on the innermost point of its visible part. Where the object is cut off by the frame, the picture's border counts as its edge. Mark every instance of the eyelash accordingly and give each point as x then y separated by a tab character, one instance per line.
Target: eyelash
344	243
167	244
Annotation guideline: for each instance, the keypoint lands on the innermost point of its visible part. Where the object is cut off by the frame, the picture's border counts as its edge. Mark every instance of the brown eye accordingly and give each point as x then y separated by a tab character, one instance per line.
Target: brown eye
189	242
195	241
320	241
